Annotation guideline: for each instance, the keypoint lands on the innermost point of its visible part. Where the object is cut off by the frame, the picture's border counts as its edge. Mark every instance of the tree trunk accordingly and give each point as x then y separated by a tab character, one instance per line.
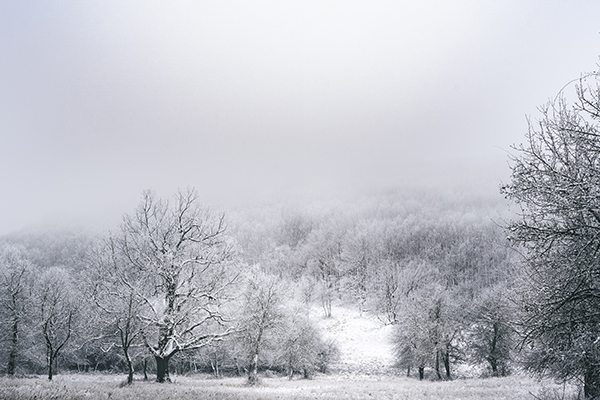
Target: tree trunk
306	373
12	358
494	365
408	371
591	382
162	369
447	362
238	368
253	371
437	365
492	358
214	364
145	369
326	301
129	367
50	371
49	360
421	373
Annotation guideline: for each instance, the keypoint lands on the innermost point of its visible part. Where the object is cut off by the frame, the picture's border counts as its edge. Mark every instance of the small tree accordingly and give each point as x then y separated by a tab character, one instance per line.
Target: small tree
323	252
491	338
556	182
303	350
426	331
413	346
57	307
262	316
116	293
16	275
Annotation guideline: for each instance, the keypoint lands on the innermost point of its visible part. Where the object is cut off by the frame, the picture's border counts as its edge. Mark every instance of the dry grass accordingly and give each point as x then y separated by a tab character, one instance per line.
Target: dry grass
96	387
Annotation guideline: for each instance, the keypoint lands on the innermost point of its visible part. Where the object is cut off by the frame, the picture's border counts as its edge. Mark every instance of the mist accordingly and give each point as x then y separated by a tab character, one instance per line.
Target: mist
254	101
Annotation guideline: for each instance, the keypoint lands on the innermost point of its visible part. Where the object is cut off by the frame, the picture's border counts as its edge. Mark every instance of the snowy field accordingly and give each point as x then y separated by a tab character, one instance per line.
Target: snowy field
96	387
363	371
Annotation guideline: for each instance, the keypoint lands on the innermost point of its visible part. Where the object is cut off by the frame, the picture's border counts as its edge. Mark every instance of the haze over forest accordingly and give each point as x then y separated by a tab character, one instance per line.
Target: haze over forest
270	101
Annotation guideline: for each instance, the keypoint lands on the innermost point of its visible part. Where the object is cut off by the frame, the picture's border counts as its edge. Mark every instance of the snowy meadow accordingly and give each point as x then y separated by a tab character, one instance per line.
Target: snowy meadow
96	387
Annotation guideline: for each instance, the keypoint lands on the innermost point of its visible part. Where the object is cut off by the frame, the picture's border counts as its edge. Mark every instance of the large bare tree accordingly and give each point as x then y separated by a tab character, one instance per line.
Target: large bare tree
181	259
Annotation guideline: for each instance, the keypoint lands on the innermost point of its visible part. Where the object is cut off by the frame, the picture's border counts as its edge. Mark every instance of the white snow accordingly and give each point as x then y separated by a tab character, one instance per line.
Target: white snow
364	341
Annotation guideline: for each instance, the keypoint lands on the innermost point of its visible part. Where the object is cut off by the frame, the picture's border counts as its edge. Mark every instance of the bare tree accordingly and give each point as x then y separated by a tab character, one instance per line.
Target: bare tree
57	307
324	250
491	337
302	349
427	331
114	288
16	273
261	316
180	256
556	182
412	339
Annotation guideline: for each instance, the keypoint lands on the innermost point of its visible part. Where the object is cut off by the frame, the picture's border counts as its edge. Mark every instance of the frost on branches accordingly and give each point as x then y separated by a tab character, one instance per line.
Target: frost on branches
180	258
556	183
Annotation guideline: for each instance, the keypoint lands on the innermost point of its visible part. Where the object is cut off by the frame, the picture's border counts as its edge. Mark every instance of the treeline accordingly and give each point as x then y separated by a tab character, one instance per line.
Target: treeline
176	287
439	269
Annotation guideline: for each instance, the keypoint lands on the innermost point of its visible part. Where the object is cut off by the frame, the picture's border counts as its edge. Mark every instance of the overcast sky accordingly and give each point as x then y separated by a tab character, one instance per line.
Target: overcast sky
254	100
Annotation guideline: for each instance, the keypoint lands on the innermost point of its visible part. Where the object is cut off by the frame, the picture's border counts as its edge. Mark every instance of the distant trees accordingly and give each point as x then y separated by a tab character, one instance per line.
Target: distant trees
168	283
556	183
434	295
323	254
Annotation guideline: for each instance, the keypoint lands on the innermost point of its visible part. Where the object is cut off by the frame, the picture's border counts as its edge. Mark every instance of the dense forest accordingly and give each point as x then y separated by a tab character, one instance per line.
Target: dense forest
176	287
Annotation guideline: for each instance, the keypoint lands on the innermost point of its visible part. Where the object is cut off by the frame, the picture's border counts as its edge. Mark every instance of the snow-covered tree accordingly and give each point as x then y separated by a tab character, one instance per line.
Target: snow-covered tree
491	336
556	183
16	277
181	259
427	331
261	320
57	306
116	293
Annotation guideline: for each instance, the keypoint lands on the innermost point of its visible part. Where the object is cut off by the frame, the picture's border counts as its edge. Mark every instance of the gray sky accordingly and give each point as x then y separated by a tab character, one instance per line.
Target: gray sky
253	100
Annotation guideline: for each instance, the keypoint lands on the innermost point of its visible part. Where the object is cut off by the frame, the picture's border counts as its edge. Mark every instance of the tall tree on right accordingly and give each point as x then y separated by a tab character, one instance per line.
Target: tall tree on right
556	184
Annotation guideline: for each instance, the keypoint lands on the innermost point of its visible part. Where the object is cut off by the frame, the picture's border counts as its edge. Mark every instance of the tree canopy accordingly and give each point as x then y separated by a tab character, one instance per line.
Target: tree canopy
556	182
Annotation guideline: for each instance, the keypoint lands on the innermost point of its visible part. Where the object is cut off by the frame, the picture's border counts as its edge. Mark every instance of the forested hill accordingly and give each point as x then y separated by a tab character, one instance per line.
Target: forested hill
420	274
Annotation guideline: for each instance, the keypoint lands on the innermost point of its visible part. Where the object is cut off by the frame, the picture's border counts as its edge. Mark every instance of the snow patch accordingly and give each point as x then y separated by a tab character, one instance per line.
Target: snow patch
364	342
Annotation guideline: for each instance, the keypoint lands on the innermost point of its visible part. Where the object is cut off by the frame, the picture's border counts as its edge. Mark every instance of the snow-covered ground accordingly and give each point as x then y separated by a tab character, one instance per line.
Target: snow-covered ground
364	341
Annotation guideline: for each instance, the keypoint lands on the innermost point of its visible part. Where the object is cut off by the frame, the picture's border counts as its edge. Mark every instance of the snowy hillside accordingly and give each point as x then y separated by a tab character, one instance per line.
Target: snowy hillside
364	342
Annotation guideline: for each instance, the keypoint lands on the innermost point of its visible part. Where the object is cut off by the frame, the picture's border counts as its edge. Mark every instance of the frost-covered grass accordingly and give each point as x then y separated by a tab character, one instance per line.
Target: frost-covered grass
96	387
363	371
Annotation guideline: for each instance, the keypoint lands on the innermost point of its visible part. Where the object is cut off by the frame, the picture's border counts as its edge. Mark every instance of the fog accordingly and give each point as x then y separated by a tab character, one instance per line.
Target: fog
262	100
